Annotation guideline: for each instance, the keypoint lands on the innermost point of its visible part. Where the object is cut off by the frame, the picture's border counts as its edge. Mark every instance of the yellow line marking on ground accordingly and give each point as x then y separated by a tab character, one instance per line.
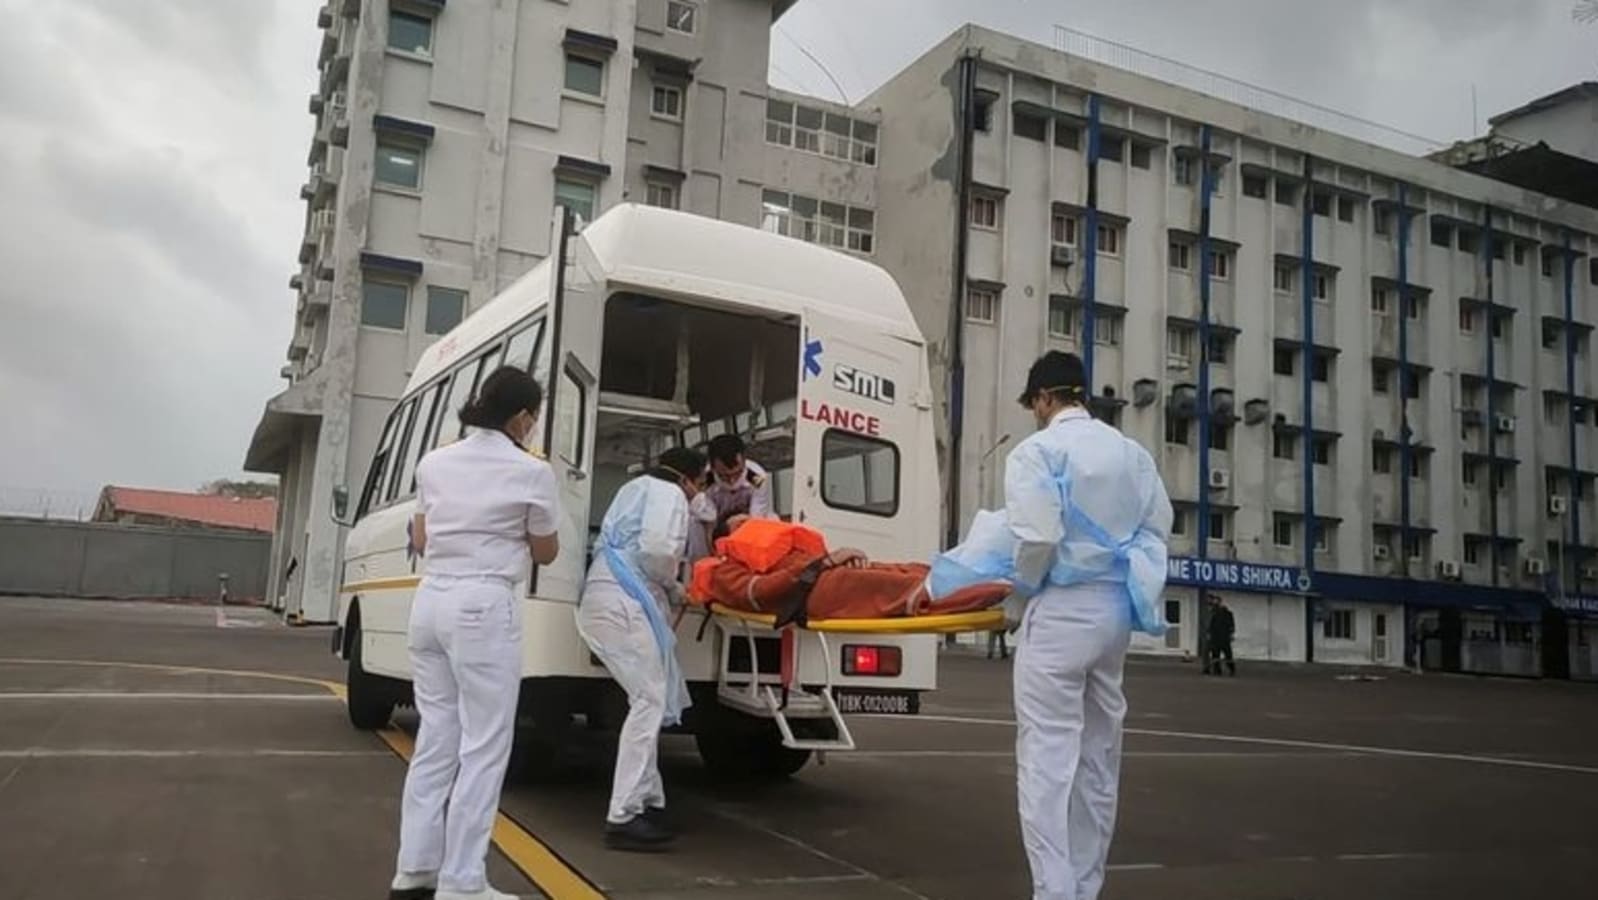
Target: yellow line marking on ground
542	865
397	583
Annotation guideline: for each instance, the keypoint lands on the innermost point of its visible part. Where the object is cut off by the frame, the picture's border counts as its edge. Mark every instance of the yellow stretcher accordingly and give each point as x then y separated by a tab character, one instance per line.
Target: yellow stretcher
990	619
757	693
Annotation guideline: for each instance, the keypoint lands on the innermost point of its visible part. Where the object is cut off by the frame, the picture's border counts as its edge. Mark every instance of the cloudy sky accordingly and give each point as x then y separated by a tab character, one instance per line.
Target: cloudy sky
151	155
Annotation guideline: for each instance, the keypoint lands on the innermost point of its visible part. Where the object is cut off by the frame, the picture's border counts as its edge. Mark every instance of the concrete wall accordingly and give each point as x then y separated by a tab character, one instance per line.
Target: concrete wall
1569	128
93	559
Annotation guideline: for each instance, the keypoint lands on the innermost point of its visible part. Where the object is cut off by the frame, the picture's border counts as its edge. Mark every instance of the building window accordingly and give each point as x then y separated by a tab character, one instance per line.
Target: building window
681	17
1442	234
1339	625
1178	430
1467	474
1255	186
1382	223
1496	325
983	112
1417	466
1111	148
1322	203
1321	451
398	165
1282	279
445	309
1062	318
985	212
1520	254
832	230
1107	331
1284	445
1345	209
982	306
1220	347
1033	128
1472	552
814	131
661	195
1182	170
1218	529
864	148
1067	136
1178	528
666	102
835	135
1415	547
1140	156
1501	478
1379	378
1282	530
779	123
1286	193
1062	230
384	304
1550	335
1220	265
1592	270
1320	367
1467	321
577	196
585	76
1323	286
1382	461
1180	256
1109	240
1468	241
1283	361
1179	345
409	33
1548	265
1379	303
1412	307
1220	437
862	230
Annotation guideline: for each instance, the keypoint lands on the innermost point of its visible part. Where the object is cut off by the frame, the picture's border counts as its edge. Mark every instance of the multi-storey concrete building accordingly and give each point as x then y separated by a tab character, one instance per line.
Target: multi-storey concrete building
445	134
1367	376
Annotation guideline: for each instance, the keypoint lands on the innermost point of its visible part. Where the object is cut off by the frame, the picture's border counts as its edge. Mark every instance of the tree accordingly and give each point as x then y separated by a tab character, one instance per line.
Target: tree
247	490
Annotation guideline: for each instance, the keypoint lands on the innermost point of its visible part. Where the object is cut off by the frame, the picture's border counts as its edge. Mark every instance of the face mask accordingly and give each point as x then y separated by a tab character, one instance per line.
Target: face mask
701	508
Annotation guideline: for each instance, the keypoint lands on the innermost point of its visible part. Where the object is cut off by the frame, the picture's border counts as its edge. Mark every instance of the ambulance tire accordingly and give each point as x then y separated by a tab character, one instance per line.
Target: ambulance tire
369	698
735	747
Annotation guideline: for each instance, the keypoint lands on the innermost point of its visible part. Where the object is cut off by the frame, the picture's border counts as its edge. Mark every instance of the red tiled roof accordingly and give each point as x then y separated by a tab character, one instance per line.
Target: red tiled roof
201	509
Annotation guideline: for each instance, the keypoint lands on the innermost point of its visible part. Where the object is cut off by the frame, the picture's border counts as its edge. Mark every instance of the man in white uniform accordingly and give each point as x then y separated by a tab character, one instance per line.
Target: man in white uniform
1091	518
632	585
739	486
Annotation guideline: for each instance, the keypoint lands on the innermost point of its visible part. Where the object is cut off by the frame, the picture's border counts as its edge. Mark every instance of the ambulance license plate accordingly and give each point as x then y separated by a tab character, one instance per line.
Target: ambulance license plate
887	703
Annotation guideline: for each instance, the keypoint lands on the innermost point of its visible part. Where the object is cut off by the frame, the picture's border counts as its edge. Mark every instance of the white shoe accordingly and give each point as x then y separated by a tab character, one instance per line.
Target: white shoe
408	885
487	893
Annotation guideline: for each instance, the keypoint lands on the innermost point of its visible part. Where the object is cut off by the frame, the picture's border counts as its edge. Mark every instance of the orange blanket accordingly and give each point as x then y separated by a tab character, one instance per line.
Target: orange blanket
874	591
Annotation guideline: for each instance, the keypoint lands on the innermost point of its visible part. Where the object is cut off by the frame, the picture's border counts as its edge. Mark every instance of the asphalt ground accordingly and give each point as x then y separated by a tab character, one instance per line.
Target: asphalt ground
134	765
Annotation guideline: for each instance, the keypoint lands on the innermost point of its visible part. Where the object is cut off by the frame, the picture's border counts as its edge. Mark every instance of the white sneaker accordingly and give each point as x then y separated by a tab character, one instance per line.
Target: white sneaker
487	893
409	885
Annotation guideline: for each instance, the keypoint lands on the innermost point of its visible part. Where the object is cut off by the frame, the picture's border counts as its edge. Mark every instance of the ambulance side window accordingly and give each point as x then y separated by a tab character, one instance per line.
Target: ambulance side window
403	432
379	467
859	474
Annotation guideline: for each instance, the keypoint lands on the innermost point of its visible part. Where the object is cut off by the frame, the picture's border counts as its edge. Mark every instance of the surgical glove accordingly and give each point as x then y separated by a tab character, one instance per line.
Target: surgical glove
1014	611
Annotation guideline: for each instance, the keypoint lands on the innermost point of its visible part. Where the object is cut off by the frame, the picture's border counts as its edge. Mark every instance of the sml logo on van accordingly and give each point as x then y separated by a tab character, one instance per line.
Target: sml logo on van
862	383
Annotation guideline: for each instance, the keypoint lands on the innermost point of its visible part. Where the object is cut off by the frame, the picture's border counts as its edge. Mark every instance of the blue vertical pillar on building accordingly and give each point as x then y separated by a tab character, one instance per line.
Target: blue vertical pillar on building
1574	515
1090	232
1492	384
1307	311
1404	376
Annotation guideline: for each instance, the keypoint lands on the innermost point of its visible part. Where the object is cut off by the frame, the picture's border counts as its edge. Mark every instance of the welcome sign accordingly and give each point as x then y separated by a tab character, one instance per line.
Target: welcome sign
1237	576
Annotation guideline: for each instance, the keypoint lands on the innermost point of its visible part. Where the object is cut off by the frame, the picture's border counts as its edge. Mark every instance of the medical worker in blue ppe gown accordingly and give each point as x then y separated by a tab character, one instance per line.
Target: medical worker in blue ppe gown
487	507
1090	518
625	617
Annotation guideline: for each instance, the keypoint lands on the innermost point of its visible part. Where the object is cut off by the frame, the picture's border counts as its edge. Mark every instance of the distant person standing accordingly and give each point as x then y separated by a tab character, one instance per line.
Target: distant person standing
1222	627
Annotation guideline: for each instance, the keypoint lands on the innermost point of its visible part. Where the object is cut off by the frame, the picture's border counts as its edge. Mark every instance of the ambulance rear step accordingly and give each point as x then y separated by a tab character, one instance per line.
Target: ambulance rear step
755	692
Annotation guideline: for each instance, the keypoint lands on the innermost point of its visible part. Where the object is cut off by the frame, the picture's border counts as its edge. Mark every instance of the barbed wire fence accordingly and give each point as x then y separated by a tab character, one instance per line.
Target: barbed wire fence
1152	65
47	503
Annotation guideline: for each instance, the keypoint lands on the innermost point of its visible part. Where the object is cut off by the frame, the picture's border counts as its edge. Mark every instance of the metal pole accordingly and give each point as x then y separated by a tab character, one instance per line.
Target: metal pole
1307	264
1205	187
956	338
1090	262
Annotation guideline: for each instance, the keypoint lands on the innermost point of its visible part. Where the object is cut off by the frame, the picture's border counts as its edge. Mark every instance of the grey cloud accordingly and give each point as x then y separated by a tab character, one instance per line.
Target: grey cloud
216	37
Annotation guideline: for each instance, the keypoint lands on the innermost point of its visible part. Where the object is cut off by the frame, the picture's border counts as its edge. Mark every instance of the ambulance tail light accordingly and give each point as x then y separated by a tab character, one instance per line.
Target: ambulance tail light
865	659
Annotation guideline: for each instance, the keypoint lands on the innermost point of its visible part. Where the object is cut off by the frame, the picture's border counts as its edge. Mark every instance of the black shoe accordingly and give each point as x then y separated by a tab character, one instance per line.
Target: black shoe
638	835
657	816
425	893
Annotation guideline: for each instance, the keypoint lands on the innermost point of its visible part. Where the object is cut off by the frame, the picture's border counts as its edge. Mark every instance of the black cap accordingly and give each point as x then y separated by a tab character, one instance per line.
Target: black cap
1056	372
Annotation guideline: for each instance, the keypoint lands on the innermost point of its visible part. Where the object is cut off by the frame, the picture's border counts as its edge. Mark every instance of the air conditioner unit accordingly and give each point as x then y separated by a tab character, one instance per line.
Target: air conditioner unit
1558	505
1382	552
1448	568
1220	479
1062	255
1535	565
1504	424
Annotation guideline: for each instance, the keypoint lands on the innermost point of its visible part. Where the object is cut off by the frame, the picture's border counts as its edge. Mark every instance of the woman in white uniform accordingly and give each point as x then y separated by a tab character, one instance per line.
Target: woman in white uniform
634	581
486	507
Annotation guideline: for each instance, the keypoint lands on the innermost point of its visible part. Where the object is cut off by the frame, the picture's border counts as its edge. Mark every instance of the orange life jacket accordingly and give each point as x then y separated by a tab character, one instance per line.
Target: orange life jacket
762	543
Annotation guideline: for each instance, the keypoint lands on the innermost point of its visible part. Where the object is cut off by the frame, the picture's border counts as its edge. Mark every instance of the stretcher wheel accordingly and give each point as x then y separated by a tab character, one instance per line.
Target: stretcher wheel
369	698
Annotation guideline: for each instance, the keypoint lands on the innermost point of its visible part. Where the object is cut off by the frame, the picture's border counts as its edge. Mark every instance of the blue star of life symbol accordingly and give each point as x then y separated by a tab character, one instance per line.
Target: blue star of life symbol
812	357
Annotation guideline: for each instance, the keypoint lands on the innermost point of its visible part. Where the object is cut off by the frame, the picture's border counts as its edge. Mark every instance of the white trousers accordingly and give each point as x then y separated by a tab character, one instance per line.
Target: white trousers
465	642
1069	708
617	632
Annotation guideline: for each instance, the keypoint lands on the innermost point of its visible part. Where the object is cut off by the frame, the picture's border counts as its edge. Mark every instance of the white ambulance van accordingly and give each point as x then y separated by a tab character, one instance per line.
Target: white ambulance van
651	328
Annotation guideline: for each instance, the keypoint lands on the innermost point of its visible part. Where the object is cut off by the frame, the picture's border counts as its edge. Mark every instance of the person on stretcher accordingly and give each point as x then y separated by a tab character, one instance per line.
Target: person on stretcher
768	566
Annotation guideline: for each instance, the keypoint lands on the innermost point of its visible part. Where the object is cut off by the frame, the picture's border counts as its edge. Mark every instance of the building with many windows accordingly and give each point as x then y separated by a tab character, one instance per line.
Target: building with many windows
1367	376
